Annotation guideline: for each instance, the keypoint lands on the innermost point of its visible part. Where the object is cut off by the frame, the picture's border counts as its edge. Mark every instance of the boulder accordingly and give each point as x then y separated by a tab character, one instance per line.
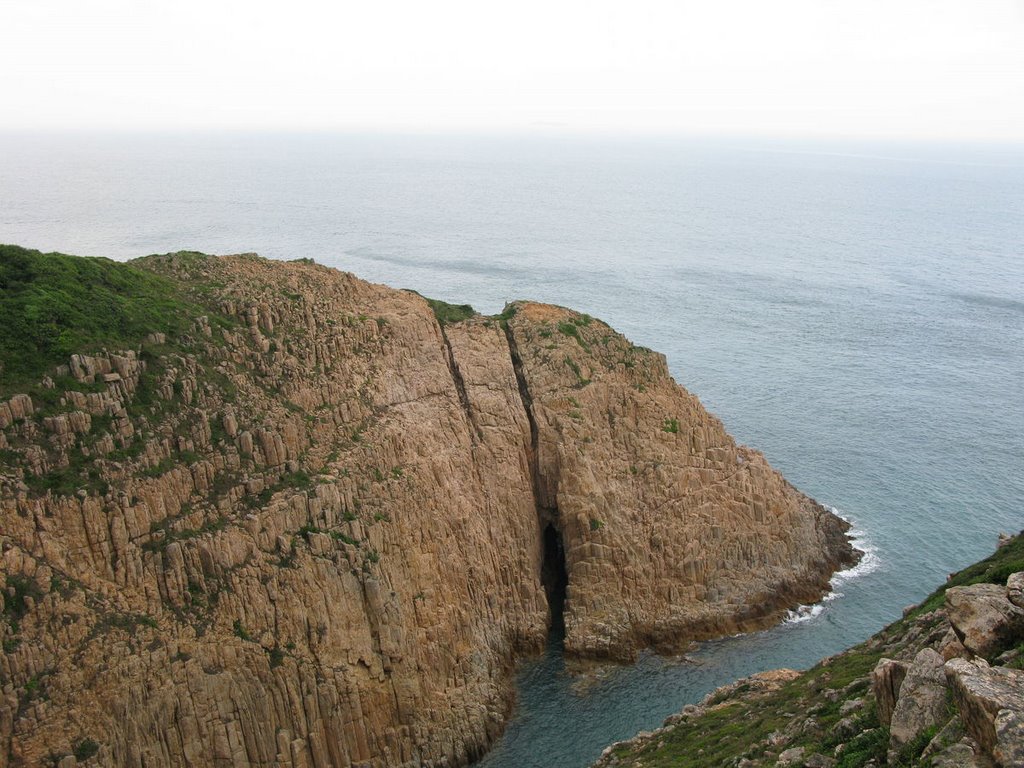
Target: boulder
950	646
959	755
921	703
886	679
1015	589
984	618
991	704
793	756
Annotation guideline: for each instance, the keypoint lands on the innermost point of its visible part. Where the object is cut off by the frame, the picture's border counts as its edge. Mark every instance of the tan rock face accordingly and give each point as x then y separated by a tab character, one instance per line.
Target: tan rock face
313	531
984	618
886	679
991	704
671	531
921	703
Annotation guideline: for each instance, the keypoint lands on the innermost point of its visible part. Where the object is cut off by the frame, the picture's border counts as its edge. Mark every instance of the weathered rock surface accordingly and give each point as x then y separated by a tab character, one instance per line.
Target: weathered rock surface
959	755
311	533
921	703
1015	589
991	703
886	679
672	532
984	618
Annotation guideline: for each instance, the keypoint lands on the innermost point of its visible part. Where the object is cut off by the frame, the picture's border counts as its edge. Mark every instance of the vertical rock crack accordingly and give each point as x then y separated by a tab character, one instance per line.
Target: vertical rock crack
554	572
460	385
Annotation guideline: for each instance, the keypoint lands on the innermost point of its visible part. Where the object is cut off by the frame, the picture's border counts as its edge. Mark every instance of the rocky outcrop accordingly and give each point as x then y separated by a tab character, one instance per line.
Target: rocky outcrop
935	702
991	704
886	680
313	530
984	619
921	703
671	531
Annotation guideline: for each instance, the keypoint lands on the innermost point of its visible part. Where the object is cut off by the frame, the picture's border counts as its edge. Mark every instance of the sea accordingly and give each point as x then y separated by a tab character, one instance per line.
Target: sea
855	310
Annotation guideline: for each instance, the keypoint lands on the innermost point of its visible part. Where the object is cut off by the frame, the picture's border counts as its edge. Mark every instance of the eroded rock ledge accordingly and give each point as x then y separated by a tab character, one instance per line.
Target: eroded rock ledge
318	528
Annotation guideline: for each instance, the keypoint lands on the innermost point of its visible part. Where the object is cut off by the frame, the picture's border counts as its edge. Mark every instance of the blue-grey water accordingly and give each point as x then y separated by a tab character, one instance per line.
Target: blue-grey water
854	311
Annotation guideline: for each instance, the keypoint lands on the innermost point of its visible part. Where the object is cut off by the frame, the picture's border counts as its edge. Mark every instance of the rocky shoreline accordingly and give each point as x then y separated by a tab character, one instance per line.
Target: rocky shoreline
942	687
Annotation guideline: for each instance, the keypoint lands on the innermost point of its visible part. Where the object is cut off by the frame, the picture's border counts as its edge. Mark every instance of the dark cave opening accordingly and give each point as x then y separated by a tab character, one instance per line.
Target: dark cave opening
554	577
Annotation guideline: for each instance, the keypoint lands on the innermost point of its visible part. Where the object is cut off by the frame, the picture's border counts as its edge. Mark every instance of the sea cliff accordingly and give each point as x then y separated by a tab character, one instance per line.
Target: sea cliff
259	513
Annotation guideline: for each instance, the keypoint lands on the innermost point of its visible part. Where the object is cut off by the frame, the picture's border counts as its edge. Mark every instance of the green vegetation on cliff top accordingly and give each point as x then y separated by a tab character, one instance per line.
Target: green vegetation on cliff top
447	313
53	305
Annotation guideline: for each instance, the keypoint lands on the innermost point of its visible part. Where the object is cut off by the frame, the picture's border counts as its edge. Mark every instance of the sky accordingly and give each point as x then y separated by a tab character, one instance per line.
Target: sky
932	69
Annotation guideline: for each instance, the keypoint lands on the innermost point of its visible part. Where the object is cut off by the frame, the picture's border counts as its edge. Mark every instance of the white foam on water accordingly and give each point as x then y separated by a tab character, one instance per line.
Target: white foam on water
804	613
868	563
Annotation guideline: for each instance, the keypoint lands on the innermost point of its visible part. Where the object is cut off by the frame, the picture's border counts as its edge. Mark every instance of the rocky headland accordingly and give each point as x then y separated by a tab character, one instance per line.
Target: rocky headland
260	513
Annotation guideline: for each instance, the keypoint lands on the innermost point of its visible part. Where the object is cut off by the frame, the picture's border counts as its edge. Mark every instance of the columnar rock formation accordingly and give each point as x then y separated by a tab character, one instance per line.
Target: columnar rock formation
311	531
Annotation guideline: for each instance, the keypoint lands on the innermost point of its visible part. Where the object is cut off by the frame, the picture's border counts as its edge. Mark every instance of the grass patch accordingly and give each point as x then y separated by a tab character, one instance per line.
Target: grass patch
506	314
721	737
127	622
80	472
863	748
581	380
446	313
16	605
53	305
994	569
159	543
241	632
85	749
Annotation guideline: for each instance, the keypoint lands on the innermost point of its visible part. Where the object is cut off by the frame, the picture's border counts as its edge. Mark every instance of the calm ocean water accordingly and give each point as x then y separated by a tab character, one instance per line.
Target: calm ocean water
856	312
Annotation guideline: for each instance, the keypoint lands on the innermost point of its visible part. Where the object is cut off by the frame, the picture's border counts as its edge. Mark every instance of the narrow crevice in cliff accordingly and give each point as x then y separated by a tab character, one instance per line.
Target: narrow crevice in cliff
524	395
460	384
554	577
554	572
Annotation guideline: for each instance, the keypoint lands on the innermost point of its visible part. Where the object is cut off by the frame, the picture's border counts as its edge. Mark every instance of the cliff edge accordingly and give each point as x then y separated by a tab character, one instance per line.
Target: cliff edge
259	513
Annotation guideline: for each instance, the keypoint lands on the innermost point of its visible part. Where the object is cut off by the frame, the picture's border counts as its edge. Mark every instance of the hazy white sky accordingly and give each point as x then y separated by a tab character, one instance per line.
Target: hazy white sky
921	68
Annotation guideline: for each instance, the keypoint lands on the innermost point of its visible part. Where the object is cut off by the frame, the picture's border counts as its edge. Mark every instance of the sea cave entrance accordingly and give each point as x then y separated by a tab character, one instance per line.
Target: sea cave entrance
555	578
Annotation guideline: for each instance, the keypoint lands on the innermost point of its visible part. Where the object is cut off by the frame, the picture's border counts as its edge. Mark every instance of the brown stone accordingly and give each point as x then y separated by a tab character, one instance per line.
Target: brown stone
886	679
984	618
991	704
348	578
922	701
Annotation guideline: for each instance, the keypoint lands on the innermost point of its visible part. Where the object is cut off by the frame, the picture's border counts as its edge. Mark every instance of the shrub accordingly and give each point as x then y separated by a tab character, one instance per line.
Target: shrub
241	632
446	313
870	745
85	749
